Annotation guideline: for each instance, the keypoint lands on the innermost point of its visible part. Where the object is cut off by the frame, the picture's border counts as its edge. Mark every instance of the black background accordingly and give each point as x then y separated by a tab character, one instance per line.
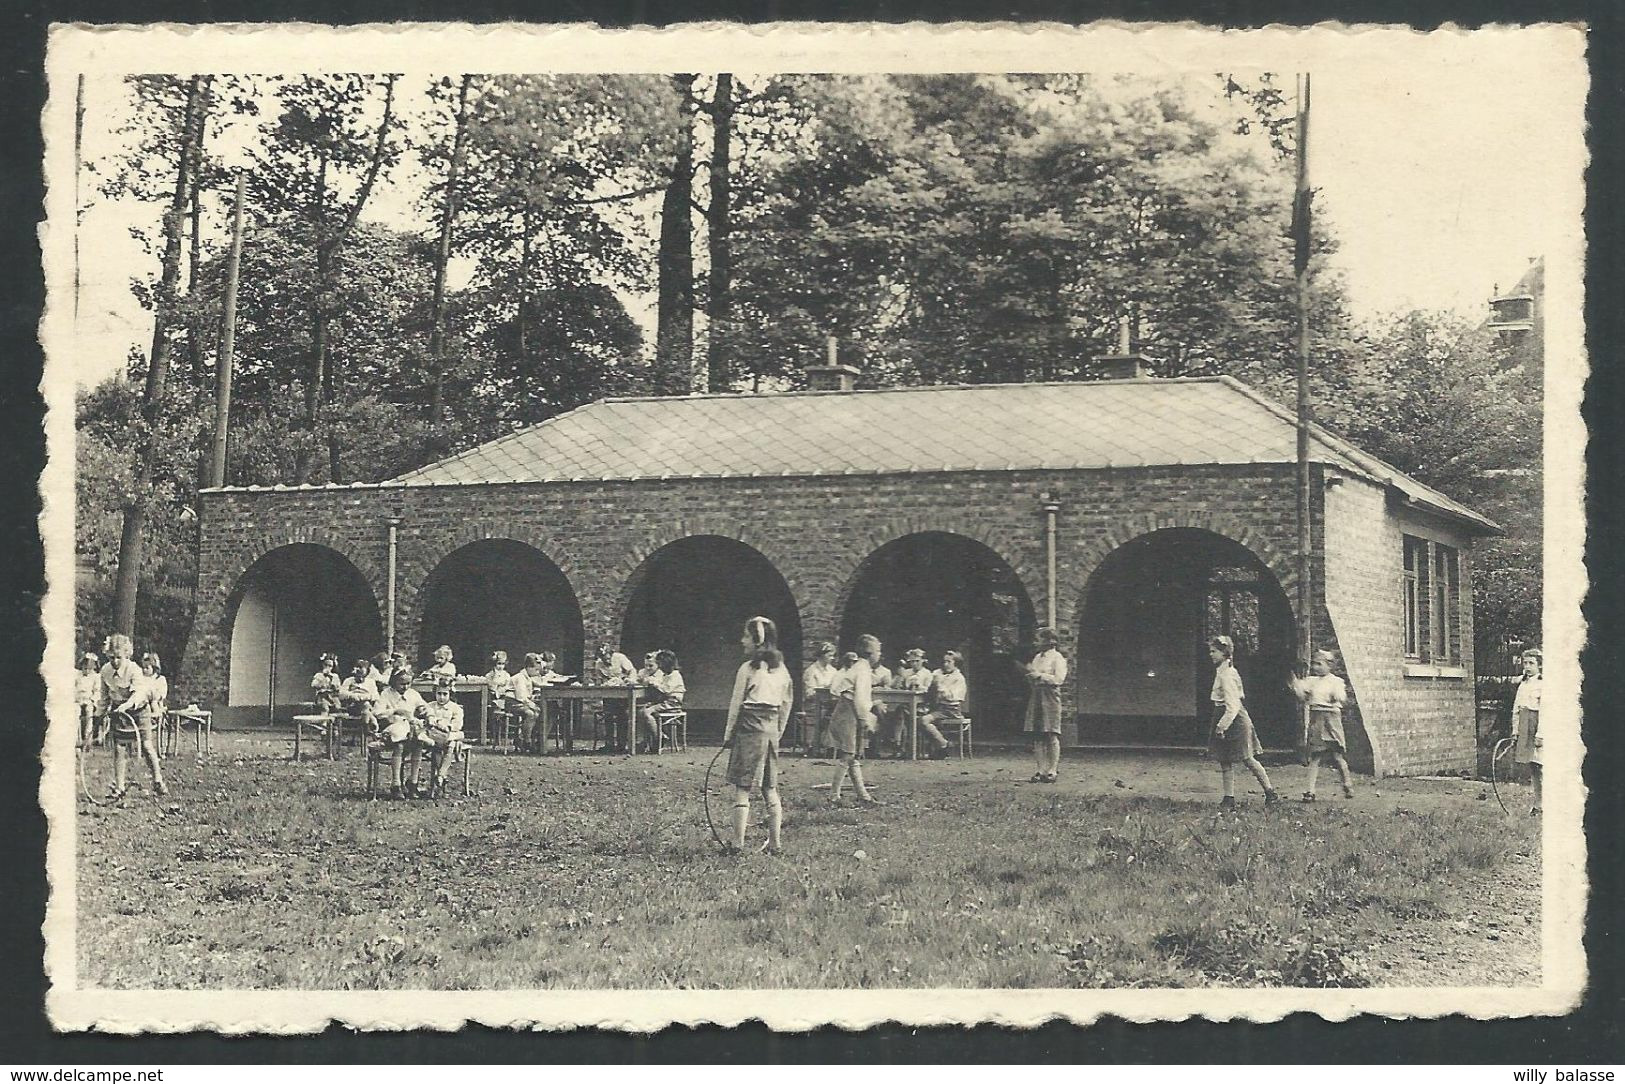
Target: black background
1591	1034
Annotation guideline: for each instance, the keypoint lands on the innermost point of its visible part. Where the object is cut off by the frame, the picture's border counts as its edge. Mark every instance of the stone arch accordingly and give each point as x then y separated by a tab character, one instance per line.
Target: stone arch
1141	673
692	594
505	531
832	603
924	587
257	546
288	606
539	607
627	574
1128	528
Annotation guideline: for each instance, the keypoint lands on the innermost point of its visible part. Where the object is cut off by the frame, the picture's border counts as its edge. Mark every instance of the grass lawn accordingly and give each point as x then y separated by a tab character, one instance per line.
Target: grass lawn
600	872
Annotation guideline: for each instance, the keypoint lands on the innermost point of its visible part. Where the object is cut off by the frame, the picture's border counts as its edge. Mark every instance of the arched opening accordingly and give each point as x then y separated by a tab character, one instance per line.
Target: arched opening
938	592
499	594
293	604
694	596
1143	675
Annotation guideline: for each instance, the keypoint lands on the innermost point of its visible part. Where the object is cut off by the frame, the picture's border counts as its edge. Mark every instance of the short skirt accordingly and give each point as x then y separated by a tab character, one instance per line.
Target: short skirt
1043	710
1528	751
753	759
1326	731
844	726
1240	742
402	730
434	735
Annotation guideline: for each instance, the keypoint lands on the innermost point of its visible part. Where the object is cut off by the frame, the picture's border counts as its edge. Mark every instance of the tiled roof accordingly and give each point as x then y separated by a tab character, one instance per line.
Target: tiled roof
1079	426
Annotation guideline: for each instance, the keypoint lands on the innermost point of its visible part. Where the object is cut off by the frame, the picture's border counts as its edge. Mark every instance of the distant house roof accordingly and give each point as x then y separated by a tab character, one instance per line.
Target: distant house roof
1077	426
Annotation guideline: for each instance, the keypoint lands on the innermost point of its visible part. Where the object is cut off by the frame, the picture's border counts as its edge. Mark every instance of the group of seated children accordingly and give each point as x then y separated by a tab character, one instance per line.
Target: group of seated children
826	684
123	700
379	695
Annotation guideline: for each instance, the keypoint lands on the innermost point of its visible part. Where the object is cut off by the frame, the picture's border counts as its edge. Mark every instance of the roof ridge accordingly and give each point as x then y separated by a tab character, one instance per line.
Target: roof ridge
807	393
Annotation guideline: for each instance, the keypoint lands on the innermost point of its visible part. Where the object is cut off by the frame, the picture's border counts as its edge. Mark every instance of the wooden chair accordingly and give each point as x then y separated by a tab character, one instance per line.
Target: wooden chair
962	729
504	729
674	721
380	757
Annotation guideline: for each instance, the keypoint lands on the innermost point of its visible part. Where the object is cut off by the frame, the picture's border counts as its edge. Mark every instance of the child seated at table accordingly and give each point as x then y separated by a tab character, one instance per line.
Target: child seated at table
378	671
498	682
662	692
85	684
521	698
914	677
948	692
817	702
880	677
611	667
443	732
325	686
443	667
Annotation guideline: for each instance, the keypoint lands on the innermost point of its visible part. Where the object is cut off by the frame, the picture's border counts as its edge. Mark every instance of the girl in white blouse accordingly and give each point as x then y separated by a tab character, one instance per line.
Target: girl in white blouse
1233	736
1526	714
1045	676
1324	693
86	684
816	698
758	709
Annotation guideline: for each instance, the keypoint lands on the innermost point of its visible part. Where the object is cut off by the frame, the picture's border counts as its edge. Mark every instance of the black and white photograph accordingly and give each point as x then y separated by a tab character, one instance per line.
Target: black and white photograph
552	526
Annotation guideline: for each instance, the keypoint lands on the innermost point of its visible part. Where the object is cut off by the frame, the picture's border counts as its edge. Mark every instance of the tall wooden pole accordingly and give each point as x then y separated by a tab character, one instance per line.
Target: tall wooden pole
1301	238
78	168
228	345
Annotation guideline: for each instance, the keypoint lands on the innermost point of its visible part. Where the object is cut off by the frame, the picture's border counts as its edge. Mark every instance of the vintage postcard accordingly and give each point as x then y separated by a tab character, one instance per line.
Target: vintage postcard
822	524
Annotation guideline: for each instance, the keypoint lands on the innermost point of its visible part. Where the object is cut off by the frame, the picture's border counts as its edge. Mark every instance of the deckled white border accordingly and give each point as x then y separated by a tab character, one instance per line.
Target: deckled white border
1144	48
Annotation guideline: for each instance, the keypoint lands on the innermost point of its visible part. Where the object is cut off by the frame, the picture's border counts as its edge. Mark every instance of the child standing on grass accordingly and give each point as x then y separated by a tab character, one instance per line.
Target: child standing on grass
816	698
1233	736
443	731
1526	714
125	689
401	714
758	709
326	685
1324	693
1045	676
853	719
86	684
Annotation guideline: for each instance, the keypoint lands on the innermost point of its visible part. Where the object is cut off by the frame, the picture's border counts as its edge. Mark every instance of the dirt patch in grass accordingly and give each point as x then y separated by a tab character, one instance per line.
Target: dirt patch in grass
599	872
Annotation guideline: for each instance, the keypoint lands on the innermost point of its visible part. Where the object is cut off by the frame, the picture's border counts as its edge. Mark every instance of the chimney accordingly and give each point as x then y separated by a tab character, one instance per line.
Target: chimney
832	376
1122	367
1125	364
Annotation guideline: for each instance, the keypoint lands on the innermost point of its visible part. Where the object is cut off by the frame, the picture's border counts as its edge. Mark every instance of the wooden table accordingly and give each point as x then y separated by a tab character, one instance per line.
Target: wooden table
912	700
606	694
464	684
178	717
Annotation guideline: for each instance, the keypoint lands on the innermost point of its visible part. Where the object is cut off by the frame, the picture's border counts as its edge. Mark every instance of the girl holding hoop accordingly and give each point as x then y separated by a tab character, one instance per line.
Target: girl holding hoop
1526	716
758	710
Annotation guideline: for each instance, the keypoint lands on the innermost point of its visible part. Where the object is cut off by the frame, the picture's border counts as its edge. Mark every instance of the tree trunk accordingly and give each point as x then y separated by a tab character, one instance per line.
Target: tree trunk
448	213
719	223
132	536
316	366
674	330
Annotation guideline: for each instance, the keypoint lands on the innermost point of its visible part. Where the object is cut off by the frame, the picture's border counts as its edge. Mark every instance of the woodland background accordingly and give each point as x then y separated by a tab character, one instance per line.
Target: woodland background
601	235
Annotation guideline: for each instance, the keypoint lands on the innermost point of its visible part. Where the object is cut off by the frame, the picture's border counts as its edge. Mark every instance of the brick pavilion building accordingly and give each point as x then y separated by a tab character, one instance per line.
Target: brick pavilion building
1139	515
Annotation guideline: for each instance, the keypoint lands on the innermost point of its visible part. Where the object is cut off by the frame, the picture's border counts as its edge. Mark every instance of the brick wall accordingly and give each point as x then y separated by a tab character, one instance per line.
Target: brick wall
1417	718
815	531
